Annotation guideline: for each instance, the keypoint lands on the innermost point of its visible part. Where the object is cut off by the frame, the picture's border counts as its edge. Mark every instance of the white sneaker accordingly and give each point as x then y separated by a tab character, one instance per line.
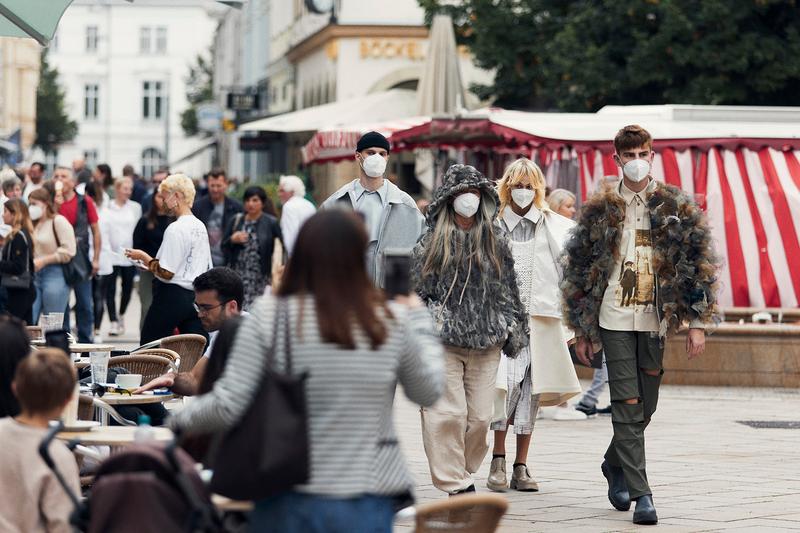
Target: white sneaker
98	339
568	413
113	330
547	413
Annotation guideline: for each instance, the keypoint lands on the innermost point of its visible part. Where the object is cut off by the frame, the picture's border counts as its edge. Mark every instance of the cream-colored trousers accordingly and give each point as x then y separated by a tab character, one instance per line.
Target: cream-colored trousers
455	429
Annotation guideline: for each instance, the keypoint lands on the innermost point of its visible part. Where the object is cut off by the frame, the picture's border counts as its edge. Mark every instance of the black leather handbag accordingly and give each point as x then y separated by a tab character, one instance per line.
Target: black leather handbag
23	280
267	452
596	360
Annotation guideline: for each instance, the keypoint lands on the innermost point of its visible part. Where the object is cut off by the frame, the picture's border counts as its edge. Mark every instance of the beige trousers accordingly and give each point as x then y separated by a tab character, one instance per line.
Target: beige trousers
455	429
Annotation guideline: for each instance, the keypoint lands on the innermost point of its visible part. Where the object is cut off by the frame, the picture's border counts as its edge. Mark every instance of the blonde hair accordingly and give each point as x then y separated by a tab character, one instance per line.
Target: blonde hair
179	183
558	197
119	182
514	174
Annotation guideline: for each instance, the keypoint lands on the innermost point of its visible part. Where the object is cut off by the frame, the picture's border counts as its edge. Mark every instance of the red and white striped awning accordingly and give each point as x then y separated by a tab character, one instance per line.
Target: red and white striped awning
338	143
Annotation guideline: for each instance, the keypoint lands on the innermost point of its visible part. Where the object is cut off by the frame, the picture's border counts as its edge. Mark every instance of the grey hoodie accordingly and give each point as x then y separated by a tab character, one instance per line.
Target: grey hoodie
483	309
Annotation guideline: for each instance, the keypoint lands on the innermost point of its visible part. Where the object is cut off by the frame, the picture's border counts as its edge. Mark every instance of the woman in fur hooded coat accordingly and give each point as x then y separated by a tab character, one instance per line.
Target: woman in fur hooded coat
464	271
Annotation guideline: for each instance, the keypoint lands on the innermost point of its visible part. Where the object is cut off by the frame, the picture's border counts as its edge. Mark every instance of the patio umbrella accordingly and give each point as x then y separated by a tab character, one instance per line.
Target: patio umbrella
440	90
31	18
39	18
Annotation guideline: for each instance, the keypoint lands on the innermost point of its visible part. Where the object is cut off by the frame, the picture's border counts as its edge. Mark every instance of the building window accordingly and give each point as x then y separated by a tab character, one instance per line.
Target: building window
161	40
91	100
152	159
144	40
152	99
91	38
90	157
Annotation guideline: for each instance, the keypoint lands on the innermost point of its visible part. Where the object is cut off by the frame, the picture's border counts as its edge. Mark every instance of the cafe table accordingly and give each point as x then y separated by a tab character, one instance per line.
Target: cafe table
81	348
116	399
114	436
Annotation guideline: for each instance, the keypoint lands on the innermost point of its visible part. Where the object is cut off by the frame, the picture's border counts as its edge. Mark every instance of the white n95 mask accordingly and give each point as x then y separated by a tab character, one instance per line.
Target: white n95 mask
35	212
374	165
636	170
522	197
467	204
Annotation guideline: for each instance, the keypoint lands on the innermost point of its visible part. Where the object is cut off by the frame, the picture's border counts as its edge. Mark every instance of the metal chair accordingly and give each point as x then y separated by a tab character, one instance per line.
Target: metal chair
189	347
149	366
88	404
466	513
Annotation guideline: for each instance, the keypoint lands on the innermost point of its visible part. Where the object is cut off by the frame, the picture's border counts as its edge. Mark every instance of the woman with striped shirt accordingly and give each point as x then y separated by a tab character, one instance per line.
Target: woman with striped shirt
356	348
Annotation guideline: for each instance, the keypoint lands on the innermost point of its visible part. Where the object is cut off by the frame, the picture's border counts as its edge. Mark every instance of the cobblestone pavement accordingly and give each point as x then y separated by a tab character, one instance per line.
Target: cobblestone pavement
707	471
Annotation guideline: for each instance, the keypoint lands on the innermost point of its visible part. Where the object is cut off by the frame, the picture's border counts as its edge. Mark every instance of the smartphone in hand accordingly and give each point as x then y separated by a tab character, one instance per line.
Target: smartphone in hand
397	272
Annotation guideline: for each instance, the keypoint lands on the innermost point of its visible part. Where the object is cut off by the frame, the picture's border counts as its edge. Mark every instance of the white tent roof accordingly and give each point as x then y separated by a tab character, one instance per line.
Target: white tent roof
662	121
375	107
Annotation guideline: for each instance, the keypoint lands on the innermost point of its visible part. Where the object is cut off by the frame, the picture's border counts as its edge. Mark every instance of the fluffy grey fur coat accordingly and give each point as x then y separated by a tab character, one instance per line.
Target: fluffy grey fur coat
484	309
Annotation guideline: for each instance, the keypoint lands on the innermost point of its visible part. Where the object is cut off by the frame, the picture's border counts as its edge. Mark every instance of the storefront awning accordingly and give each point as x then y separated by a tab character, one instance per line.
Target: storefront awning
336	144
374	108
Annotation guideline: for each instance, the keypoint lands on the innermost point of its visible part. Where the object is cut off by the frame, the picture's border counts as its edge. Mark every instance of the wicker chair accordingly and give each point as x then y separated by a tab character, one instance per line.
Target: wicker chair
466	513
188	346
34	332
149	366
160	352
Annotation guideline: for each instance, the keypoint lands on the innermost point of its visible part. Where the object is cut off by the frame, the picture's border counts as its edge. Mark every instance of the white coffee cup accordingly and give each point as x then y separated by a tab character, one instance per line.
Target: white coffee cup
129	381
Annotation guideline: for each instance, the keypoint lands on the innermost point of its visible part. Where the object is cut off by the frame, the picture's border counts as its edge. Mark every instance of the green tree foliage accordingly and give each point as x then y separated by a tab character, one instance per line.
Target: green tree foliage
199	89
53	126
579	55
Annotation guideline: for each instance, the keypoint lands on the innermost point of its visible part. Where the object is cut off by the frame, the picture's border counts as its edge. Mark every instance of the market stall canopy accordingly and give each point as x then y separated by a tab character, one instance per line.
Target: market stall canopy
338	143
375	107
741	164
677	126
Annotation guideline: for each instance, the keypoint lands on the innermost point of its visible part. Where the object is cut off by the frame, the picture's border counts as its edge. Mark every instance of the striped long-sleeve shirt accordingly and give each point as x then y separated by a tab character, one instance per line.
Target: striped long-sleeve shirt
350	393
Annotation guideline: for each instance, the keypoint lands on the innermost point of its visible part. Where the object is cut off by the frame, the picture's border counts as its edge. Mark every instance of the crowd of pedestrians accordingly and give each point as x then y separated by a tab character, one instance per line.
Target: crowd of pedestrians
502	283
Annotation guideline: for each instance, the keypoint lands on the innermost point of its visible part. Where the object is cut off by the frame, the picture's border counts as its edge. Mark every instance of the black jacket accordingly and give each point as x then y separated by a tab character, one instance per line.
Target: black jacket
267	231
149	239
203	207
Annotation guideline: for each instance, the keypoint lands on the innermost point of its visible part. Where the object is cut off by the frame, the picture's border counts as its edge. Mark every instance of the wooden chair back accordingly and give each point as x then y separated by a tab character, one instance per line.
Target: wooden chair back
466	513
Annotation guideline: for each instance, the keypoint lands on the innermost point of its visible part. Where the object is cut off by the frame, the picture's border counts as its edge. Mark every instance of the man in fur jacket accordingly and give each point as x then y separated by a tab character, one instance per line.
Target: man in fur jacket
659	233
464	271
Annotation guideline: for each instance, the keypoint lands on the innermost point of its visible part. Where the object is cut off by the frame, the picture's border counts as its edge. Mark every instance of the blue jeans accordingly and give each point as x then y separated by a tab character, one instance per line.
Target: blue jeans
52	292
84	311
294	512
594	391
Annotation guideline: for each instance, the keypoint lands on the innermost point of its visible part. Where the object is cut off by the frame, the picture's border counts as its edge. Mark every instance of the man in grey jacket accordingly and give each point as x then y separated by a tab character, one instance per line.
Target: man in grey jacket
391	215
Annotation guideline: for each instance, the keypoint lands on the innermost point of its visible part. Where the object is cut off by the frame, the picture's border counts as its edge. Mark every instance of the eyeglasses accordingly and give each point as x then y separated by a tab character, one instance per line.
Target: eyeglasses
204	309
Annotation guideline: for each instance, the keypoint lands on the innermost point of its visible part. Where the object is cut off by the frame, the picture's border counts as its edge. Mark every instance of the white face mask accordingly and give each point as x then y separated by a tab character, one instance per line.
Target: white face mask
636	170
522	197
374	165
467	204
35	212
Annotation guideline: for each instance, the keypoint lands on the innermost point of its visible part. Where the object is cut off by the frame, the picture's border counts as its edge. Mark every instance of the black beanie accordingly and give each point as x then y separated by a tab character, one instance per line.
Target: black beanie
372	139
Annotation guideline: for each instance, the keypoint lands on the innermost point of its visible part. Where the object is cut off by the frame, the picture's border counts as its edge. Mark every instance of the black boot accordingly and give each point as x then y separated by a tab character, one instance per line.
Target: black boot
618	493
645	512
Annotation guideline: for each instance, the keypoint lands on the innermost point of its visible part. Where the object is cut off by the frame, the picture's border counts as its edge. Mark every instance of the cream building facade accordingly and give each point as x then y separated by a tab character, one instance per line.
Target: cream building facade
19	78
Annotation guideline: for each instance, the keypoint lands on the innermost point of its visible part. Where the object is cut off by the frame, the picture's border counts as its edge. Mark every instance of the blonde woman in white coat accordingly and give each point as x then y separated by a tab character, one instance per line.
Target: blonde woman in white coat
543	374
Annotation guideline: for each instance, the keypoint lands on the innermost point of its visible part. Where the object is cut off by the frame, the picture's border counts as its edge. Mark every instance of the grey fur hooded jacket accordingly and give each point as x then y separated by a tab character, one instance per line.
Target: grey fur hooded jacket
476	306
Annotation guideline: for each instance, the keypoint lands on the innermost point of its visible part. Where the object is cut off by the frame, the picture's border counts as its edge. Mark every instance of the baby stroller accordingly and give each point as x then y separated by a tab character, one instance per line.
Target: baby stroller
146	487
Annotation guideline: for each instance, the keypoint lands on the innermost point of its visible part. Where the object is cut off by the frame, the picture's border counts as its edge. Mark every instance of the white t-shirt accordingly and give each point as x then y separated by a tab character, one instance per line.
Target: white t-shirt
121	221
185	251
